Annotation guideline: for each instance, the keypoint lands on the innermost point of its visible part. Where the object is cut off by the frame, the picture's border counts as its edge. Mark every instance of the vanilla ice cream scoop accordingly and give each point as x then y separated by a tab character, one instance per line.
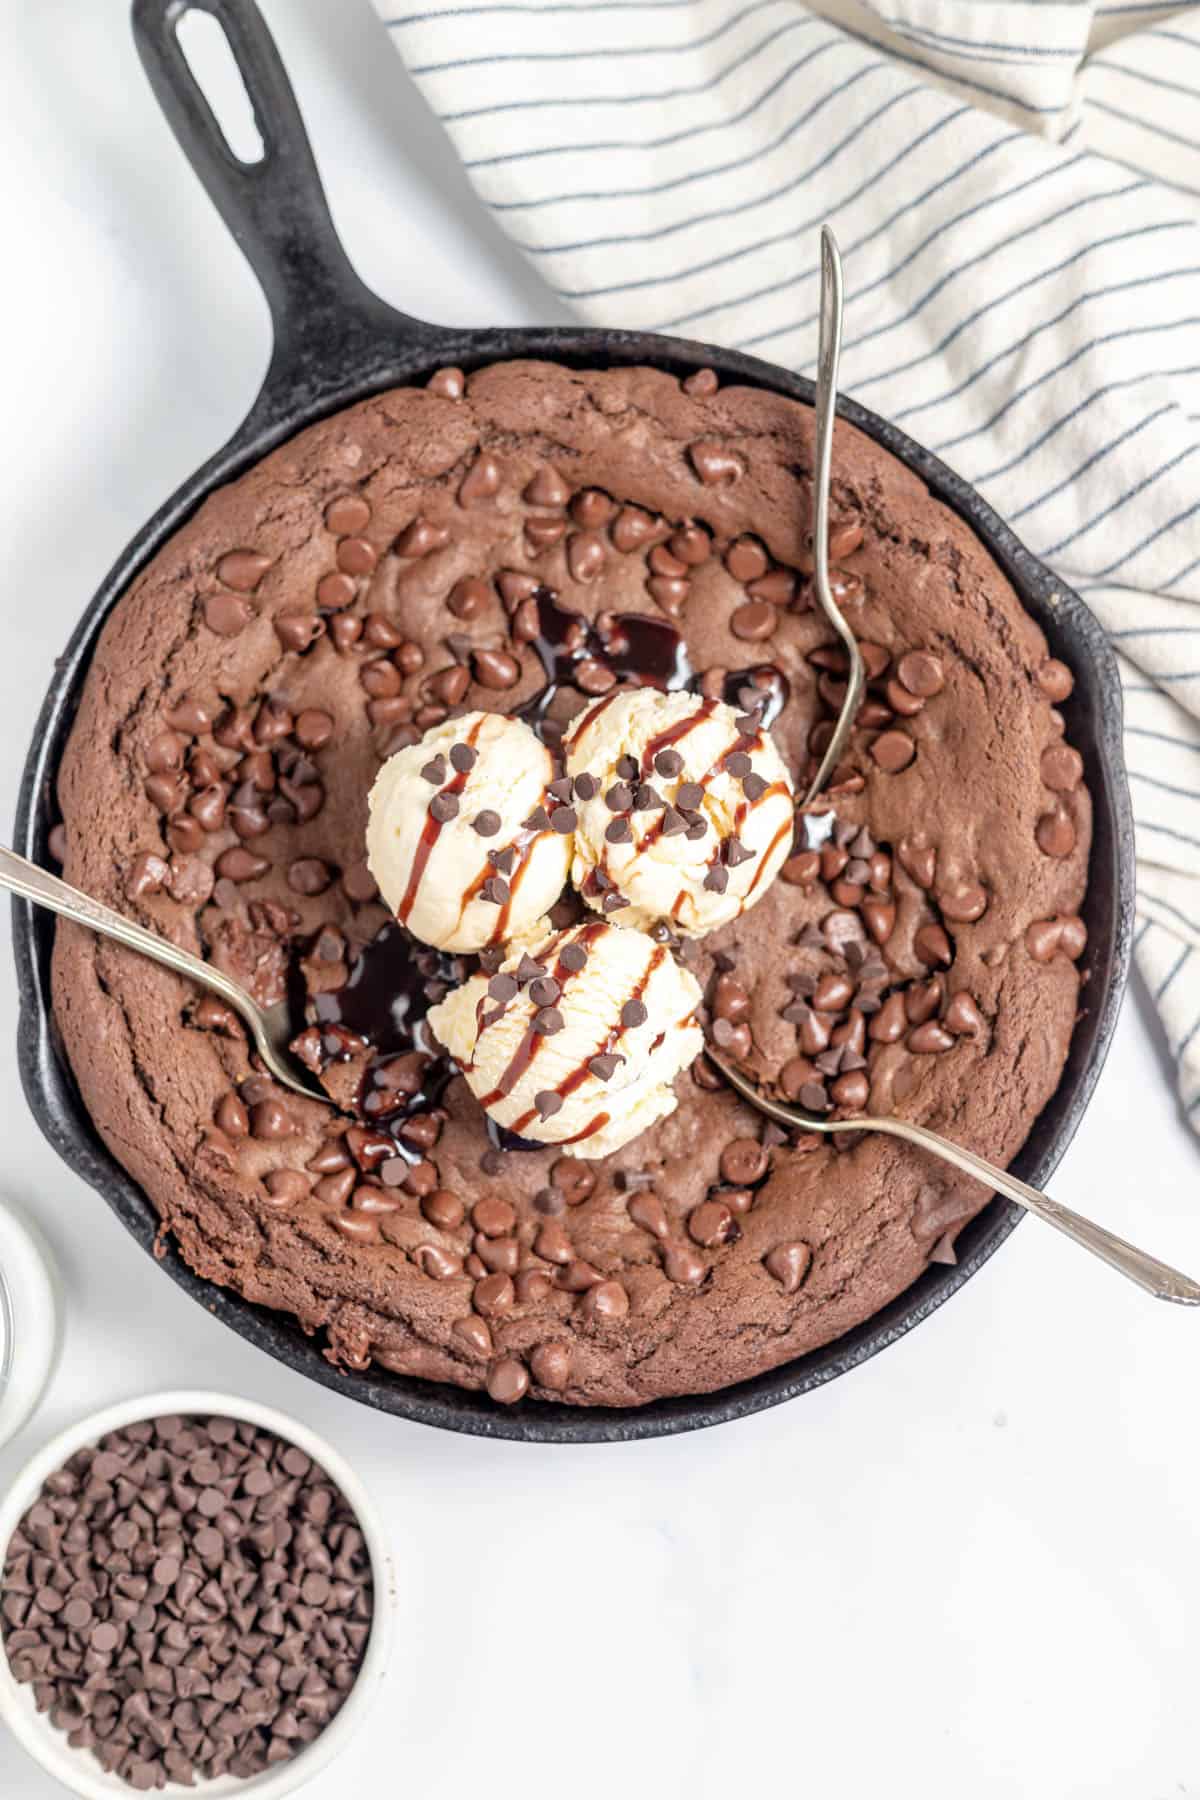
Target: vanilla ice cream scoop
684	808
579	1041
467	841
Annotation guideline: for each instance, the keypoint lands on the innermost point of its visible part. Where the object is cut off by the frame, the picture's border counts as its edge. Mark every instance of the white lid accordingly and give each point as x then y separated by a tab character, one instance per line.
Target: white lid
29	1321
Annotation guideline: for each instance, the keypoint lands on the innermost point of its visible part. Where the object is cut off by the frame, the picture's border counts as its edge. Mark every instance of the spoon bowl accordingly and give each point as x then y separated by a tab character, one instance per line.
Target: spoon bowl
269	1026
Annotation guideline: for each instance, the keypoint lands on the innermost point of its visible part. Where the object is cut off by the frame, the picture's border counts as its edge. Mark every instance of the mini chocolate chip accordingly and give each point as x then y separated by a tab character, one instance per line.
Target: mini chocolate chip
573	957
717	879
495	890
736	853
619	798
504	860
668	762
754	787
309	876
697	829
633	1013
604	1066
503	987
586	786
528	969
673	823
689	795
548	1021
496	669
738	763
538	820
564	819
443	808
618	832
547	1103
462	758
544	990
487	824
434	772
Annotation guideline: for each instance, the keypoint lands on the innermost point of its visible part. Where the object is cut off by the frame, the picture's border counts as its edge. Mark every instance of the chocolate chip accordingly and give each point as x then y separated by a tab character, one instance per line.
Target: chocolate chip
689	795
668	762
736	853
434	772
619	798
618	831
544	990
754	787
717	879
613	903
586	786
647	799
593	677
487	824
1055	833
714	464
921	673
547	1022
963	903
1055	680
443	808
547	1103
572	957
893	751
538	820
564	819
496	669
309	876
674	824
495	891
605	1066
754	621
788	1264
503	988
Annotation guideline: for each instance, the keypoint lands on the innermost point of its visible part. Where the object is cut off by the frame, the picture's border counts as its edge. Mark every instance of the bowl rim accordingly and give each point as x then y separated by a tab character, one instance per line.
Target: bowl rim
278	416
77	1770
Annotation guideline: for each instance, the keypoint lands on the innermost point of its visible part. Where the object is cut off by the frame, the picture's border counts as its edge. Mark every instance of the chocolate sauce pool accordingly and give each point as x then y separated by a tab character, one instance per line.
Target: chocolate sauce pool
395	979
639	650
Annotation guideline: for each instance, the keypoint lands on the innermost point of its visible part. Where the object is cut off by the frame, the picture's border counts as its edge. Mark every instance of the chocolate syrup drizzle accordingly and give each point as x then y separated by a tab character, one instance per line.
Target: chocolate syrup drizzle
395	979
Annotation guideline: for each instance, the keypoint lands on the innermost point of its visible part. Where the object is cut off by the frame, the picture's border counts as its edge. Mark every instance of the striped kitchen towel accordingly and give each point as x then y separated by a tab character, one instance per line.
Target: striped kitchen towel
1015	185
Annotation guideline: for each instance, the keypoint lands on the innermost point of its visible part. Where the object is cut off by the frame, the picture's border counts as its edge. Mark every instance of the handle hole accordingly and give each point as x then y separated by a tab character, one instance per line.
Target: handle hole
210	58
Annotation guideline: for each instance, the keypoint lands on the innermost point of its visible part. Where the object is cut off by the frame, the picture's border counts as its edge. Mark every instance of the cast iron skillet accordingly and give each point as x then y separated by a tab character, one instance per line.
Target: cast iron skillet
336	342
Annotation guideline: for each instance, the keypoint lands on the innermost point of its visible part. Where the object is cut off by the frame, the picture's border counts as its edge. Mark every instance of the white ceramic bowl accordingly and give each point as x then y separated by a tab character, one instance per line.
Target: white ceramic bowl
78	1770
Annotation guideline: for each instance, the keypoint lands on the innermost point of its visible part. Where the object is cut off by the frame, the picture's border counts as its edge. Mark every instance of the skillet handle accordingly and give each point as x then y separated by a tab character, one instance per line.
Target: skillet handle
327	322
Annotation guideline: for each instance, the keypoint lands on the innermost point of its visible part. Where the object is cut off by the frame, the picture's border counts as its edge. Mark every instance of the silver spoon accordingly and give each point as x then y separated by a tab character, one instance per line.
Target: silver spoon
829	347
269	1026
1157	1278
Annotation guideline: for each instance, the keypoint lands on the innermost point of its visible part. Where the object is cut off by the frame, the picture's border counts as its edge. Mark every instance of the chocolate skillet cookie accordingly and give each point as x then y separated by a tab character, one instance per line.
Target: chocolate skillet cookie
522	542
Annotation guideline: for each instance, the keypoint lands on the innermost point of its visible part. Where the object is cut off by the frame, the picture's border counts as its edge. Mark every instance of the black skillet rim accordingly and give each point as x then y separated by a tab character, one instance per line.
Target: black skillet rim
1094	721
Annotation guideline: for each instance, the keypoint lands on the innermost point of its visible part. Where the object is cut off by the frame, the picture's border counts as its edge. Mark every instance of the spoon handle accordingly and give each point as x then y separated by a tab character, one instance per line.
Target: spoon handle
1157	1278
829	349
31	883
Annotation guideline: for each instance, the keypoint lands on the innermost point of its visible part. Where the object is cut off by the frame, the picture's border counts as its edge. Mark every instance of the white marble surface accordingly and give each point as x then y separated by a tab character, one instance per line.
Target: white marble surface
966	1569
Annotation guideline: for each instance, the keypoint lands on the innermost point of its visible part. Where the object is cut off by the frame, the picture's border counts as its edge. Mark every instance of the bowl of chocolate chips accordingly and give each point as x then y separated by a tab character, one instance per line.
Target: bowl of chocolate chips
195	1593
